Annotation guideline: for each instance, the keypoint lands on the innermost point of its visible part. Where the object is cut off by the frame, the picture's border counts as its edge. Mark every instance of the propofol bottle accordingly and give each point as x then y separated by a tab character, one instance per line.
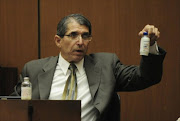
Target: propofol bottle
26	89
144	44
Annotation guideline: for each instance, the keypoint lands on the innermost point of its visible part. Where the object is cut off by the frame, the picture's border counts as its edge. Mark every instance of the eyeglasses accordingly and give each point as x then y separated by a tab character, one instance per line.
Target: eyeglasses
75	36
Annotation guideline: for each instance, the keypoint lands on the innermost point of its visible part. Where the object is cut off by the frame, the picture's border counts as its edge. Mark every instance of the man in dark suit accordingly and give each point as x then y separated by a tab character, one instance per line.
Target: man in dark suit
98	76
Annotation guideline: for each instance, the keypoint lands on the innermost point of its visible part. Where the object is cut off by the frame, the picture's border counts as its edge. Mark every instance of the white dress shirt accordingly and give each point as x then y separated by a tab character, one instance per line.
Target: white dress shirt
88	111
154	49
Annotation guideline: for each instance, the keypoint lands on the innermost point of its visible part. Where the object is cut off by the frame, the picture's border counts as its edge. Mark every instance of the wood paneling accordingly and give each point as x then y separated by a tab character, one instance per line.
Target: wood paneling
18	32
40	110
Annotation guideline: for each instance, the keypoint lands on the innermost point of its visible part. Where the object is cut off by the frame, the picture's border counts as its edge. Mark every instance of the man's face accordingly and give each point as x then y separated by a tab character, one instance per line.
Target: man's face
73	49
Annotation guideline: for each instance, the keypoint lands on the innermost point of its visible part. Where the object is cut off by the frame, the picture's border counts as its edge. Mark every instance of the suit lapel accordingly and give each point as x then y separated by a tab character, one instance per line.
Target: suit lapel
45	78
93	73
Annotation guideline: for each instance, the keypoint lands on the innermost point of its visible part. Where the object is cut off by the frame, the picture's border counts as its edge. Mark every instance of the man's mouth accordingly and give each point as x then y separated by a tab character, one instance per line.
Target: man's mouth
79	51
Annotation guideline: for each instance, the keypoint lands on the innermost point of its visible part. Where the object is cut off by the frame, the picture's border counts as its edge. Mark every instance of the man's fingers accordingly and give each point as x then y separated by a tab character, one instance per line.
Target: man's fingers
158	34
146	28
152	31
156	31
140	33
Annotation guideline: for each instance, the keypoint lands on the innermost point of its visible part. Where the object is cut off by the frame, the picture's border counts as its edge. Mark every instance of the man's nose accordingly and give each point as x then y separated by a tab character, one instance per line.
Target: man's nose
80	40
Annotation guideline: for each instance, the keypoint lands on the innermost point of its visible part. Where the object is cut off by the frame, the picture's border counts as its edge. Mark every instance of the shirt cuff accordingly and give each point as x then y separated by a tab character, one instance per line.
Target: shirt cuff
154	49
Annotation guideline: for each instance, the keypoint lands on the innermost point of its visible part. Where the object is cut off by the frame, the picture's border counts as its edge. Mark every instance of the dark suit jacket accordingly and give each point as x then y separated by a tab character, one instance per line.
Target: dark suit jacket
106	75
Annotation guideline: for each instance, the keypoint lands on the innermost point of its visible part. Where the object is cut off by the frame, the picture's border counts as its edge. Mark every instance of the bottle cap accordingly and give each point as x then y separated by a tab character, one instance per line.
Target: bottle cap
26	78
145	33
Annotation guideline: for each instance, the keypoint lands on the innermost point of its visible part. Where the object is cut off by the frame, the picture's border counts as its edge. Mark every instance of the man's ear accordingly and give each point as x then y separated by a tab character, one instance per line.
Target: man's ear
57	40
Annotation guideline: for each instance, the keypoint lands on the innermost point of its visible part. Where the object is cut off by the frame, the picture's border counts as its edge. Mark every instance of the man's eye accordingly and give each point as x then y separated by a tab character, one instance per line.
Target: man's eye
85	36
73	35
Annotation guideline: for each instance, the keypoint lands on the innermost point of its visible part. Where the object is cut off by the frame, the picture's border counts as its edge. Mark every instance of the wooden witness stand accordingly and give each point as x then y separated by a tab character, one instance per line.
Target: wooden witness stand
40	110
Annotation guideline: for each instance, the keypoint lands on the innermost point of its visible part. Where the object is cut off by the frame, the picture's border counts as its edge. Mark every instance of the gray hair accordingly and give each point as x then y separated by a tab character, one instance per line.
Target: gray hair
62	25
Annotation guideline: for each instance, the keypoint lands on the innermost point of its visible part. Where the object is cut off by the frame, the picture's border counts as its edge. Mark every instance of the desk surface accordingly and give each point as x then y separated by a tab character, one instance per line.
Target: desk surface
40	110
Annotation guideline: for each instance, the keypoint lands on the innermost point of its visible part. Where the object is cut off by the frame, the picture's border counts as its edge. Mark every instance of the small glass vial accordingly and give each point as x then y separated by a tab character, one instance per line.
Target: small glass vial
144	45
26	89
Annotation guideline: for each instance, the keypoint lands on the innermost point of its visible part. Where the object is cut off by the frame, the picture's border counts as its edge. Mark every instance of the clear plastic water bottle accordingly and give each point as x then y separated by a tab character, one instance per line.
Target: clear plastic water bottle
26	89
144	44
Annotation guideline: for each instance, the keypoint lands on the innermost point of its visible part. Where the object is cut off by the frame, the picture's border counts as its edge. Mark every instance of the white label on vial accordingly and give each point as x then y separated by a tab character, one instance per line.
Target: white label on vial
25	93
144	50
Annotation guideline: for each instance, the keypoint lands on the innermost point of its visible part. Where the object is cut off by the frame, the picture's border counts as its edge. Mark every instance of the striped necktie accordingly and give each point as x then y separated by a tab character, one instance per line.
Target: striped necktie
70	89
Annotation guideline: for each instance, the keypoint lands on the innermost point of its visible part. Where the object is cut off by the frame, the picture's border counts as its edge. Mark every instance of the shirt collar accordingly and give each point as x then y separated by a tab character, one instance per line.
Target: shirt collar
64	65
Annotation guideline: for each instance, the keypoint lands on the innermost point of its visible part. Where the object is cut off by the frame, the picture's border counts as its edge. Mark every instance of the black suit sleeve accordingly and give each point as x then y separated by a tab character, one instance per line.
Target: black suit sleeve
133	78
